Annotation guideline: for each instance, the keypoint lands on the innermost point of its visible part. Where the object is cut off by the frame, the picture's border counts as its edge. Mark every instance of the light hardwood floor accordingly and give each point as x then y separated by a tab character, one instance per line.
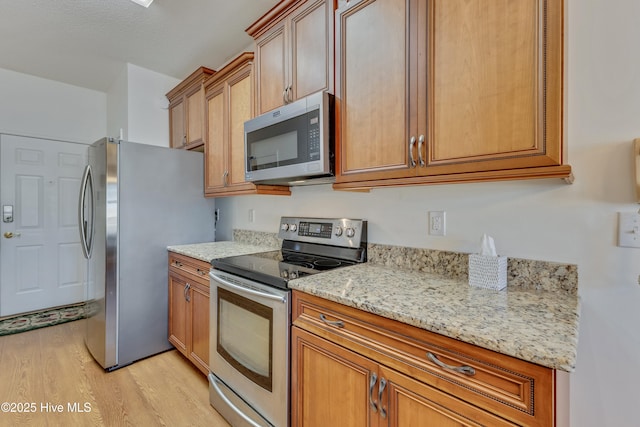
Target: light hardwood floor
48	367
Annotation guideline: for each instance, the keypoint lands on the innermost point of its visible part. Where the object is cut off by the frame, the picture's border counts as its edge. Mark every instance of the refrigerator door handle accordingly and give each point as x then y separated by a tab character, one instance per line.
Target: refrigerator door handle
86	233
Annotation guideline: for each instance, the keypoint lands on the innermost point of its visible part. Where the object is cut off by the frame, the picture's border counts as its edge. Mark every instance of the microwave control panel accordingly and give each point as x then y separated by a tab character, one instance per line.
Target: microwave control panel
314	135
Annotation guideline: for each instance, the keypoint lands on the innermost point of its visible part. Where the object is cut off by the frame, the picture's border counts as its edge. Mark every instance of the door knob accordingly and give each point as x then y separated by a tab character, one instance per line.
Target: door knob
9	235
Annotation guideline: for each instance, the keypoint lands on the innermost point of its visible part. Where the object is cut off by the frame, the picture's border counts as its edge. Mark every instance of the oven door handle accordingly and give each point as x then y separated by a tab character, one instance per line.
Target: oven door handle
240	288
214	384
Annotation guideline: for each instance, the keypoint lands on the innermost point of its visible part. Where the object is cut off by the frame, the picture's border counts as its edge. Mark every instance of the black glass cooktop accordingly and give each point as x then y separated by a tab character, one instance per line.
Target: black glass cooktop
276	268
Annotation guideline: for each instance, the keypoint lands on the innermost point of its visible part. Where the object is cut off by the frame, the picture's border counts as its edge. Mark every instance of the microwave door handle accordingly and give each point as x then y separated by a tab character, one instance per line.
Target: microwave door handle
247	290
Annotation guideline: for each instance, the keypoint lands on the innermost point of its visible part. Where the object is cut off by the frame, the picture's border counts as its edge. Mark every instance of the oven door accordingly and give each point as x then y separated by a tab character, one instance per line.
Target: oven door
249	351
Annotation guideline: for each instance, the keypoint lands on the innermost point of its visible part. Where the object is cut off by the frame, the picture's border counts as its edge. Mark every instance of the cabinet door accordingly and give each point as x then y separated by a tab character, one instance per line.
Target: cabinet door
407	402
495	85
199	319
329	384
375	51
271	60
176	120
240	110
178	311
194	116
215	151
311	49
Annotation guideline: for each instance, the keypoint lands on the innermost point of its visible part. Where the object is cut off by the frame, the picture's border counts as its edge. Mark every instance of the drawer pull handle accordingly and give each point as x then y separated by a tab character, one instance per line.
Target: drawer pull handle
372	383
383	384
336	323
177	263
202	272
466	370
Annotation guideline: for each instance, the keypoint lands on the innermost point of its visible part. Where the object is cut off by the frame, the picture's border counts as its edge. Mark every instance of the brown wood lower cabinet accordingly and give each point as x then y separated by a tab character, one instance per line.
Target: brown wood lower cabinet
352	368
189	308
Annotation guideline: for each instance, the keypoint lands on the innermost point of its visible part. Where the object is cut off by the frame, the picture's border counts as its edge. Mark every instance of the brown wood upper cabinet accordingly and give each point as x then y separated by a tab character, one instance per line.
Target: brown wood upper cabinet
228	104
186	111
437	91
294	51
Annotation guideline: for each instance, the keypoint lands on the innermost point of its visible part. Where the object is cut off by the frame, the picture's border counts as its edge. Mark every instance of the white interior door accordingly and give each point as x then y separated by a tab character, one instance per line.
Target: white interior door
41	262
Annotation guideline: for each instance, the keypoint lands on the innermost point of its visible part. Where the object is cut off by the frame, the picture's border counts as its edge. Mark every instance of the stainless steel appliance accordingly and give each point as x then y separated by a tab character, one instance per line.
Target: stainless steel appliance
251	315
292	144
135	200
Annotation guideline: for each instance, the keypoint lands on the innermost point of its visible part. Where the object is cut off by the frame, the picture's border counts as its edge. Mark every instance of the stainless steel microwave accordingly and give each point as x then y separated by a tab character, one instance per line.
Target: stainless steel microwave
292	144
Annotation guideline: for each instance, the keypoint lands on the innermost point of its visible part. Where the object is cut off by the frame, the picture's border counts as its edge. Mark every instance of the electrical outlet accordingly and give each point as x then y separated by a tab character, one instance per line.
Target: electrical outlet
437	223
252	215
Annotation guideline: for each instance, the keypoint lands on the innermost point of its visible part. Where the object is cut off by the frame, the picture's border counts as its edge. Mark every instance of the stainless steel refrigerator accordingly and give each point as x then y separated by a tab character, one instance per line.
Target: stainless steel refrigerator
135	200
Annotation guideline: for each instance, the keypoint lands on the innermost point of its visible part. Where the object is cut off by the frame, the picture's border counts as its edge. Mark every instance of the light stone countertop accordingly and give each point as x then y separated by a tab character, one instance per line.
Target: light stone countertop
538	326
536	318
211	250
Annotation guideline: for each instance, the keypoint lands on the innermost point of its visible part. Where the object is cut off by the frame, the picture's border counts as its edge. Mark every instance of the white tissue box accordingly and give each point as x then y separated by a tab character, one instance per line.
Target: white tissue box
488	271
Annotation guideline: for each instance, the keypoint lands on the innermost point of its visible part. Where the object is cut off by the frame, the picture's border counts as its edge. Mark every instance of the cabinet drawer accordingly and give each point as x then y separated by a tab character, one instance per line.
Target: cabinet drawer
517	390
190	267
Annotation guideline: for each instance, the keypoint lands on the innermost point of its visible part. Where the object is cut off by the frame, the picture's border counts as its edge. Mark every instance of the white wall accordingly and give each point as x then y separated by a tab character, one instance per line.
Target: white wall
37	107
137	105
118	106
544	220
148	106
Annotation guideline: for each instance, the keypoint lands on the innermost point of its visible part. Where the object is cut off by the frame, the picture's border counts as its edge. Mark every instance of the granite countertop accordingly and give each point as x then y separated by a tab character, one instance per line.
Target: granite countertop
536	318
211	250
535	325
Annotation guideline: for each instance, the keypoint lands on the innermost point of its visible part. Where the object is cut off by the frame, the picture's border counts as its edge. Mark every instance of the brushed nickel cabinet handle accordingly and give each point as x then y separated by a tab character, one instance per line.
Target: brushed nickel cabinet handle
412	143
464	369
336	323
372	383
383	384
186	292
420	144
225	178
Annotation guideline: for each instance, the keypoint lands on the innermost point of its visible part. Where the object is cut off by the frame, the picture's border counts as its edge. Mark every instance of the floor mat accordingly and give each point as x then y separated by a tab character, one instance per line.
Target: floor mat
40	319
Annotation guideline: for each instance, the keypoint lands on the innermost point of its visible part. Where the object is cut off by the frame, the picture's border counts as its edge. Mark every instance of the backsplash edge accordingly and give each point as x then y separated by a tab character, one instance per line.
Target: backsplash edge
522	273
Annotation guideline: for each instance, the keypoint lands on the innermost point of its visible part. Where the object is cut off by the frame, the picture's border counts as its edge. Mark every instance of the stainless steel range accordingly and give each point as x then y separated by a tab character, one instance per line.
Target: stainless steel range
251	315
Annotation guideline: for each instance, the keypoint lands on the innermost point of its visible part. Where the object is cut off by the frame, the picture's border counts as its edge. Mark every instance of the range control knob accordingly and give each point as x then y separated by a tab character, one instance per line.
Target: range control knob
338	231
293	227
350	232
284	227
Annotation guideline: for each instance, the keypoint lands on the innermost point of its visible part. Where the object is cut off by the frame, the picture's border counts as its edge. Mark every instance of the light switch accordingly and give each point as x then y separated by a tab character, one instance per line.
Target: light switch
629	229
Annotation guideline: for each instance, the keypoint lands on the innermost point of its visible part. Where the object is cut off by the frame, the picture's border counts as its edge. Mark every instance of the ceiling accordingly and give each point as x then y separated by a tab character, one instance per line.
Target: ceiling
87	42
